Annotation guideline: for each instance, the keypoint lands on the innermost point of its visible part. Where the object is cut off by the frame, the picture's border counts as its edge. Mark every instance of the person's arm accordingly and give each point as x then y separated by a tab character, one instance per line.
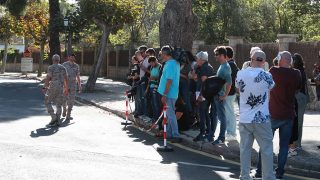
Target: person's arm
66	83
166	91
79	82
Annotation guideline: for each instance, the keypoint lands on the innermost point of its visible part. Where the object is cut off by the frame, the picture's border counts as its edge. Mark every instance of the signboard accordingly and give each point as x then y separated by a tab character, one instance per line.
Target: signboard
26	64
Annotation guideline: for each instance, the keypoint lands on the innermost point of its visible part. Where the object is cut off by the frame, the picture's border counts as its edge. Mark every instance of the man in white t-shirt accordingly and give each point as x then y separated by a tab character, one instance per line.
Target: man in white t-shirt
254	85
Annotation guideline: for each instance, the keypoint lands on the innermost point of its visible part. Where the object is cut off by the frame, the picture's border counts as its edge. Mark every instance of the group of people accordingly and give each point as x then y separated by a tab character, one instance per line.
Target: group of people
60	88
268	99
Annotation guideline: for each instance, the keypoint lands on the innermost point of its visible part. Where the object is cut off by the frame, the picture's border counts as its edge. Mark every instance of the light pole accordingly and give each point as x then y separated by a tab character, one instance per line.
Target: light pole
66	24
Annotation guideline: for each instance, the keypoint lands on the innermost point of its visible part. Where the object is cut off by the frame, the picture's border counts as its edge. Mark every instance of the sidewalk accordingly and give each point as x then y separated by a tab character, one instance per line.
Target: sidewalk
109	95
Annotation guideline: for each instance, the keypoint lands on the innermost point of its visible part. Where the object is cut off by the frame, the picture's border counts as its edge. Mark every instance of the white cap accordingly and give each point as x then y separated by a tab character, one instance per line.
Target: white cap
203	55
253	49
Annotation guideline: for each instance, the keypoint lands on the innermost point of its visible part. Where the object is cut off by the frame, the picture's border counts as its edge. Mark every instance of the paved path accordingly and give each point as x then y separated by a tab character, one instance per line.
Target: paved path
92	146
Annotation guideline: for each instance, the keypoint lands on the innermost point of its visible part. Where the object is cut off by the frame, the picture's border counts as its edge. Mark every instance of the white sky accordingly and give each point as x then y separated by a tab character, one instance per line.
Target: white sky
71	1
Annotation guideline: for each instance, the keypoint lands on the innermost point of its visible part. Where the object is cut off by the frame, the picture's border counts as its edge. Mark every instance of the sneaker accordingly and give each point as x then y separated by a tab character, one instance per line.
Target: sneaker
230	137
52	124
257	175
278	177
292	152
218	142
200	137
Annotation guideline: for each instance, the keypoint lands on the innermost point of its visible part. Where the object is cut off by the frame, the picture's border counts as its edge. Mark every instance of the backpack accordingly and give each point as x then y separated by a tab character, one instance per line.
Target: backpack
211	87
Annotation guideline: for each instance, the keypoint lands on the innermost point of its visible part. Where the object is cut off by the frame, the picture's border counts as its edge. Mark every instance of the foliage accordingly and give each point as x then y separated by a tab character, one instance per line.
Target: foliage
257	20
112	13
145	29
36	21
15	7
7	26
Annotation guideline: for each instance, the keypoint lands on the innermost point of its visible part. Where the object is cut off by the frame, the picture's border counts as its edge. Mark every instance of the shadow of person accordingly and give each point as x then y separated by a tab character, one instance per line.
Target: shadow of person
44	132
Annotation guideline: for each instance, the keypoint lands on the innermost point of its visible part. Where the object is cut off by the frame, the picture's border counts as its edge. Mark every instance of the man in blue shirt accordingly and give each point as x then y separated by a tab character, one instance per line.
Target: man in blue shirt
169	90
223	72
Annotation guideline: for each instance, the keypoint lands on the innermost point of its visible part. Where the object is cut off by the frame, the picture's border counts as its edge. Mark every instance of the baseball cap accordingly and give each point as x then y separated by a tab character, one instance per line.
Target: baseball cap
253	49
258	55
202	55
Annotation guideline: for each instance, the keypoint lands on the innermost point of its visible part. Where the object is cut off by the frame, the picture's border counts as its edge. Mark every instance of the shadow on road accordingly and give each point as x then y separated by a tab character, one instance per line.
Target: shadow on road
44	132
50	131
188	164
19	100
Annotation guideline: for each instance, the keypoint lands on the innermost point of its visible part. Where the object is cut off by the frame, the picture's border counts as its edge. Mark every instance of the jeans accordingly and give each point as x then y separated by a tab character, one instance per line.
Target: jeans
262	132
231	123
221	114
205	120
285	130
185	93
302	103
173	131
142	100
155	102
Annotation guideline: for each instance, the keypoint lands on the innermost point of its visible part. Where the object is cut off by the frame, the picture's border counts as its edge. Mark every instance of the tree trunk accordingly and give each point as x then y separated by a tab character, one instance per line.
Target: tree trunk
178	24
70	43
54	28
97	64
5	56
41	59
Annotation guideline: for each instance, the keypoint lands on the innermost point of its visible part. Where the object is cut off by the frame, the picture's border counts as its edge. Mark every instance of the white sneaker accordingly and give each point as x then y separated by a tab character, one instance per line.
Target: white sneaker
292	152
230	137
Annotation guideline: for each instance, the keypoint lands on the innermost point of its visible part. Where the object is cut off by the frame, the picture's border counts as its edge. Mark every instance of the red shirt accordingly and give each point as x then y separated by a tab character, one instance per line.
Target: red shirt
282	96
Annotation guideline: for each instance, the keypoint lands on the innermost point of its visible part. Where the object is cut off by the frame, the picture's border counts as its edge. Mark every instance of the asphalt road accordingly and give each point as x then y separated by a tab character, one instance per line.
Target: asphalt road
92	146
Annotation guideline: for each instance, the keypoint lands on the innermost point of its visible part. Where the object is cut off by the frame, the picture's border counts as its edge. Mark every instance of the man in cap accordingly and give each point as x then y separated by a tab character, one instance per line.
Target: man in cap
282	105
56	84
205	71
254	85
248	63
169	89
74	80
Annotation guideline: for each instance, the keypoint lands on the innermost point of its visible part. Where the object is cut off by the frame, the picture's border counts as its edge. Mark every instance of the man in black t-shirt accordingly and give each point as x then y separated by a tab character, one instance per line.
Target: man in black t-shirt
231	123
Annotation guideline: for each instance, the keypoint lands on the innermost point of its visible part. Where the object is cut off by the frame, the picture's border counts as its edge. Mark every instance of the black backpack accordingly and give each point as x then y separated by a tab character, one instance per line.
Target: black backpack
211	87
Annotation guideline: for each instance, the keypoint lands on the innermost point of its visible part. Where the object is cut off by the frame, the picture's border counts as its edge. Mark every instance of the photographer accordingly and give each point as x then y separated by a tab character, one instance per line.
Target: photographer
153	84
133	78
144	64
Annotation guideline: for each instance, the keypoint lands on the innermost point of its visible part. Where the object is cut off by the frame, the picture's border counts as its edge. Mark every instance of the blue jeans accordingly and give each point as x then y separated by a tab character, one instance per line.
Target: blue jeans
173	131
263	134
285	130
155	102
142	100
205	119
231	123
184	91
221	114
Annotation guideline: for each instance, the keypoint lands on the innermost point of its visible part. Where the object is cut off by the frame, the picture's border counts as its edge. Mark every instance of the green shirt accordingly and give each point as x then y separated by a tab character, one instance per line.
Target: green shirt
224	72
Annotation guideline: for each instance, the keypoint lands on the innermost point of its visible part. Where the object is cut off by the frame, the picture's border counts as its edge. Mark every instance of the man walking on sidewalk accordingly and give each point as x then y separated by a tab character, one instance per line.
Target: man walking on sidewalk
254	85
74	79
282	106
169	89
56	84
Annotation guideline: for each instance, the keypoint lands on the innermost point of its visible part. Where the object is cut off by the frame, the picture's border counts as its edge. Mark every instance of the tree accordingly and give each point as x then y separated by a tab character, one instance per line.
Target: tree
108	15
7	25
35	23
178	24
15	7
55	24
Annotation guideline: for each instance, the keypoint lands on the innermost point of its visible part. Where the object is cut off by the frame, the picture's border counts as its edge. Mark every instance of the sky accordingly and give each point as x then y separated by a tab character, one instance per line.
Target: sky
71	1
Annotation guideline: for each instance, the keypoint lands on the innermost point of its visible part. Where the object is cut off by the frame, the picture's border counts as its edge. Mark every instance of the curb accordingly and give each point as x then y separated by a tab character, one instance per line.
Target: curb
230	153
